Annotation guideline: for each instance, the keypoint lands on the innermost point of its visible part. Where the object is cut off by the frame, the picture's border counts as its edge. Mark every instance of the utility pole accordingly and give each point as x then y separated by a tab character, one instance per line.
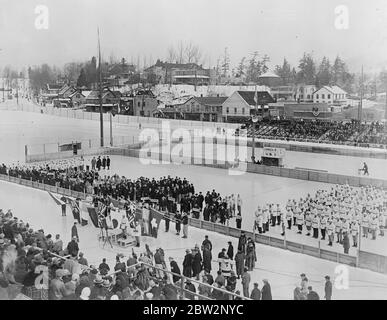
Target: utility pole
100	91
360	110
196	78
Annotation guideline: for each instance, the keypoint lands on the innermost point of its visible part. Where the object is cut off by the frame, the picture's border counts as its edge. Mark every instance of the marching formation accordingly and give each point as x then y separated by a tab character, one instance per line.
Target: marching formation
338	214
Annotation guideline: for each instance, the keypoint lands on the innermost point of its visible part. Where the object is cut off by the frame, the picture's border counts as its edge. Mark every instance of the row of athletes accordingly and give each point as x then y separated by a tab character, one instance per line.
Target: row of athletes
327	223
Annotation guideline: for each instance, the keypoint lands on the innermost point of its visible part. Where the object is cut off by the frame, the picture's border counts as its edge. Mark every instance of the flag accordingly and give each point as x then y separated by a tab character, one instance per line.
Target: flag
58	201
75	209
101	212
93	216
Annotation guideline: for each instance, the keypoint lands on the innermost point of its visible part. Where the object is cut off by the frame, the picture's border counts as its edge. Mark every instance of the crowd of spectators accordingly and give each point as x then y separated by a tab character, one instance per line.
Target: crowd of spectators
44	268
172	194
374	133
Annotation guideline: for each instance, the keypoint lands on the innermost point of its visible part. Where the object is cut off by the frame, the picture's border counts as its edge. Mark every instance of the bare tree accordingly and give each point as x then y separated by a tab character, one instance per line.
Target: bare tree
171	54
225	62
193	53
180	51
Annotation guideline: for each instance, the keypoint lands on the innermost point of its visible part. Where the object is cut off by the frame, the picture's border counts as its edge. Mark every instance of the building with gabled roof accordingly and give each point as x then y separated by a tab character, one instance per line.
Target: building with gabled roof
241	105
332	95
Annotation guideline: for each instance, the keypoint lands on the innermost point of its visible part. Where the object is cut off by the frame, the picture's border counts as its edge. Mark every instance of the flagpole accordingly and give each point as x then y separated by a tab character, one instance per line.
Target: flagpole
252	119
100	91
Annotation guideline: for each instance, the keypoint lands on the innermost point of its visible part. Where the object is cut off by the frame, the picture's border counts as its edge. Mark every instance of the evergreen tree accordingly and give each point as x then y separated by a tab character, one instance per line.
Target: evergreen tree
285	72
307	70
82	79
240	72
324	74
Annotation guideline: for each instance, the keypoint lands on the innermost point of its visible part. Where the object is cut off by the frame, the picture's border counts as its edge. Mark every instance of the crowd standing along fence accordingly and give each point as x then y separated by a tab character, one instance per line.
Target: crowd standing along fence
366	260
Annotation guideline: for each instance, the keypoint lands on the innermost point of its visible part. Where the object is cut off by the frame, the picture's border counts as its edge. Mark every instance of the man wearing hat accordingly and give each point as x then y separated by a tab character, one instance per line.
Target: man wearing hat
312	295
230	250
328	288
72	247
190	287
184	222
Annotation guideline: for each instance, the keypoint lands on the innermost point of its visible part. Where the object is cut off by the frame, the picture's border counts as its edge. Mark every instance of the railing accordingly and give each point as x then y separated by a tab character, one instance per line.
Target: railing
182	291
364	259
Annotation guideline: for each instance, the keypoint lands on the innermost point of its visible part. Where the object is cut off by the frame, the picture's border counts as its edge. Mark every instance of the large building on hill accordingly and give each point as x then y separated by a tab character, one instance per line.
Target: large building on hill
180	73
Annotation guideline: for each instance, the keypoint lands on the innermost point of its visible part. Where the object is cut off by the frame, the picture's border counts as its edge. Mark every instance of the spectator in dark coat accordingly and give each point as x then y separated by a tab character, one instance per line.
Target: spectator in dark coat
312	295
197	264
239	263
207	258
242	242
108	162
74	231
175	269
346	244
230	250
231	282
72	247
187	264
266	290
190	287
256	293
328	288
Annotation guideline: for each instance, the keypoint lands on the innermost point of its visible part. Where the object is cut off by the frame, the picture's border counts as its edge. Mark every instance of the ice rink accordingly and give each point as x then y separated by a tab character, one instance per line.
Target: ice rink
20	128
282	268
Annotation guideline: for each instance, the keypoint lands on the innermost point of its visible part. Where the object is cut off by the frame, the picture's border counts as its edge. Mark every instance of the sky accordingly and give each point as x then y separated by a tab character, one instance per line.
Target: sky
145	29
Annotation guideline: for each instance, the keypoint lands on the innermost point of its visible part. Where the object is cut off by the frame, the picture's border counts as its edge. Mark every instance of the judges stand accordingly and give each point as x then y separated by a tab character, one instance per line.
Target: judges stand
273	157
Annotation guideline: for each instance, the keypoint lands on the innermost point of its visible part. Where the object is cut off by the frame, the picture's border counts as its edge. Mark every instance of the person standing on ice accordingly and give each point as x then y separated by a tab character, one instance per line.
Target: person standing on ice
246	282
299	221
354	232
346	244
74	231
93	163
103	163
289	216
108	163
239	204
278	214
238	221
99	163
251	256
184	222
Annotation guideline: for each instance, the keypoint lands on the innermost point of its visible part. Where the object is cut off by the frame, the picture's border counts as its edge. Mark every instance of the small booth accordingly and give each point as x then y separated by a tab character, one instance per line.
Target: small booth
273	156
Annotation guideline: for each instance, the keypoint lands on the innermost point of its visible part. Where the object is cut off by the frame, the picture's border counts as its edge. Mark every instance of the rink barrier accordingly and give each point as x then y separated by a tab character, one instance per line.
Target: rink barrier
366	260
364	257
355	151
307	175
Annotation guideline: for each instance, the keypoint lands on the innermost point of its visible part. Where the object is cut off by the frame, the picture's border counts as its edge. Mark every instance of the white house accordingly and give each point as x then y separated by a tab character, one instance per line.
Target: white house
239	105
332	95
